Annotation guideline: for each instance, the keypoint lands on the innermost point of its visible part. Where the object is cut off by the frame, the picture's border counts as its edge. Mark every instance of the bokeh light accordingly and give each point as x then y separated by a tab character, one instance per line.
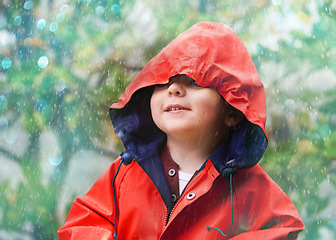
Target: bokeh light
28	5
60	86
53	26
65	8
55	160
11	135
99	10
41	23
3	21
3	103
17	20
6	63
60	17
115	9
3	124
43	62
290	104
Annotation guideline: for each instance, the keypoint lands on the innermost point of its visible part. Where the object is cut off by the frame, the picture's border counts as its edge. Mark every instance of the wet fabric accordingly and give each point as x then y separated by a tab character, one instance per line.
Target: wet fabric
132	198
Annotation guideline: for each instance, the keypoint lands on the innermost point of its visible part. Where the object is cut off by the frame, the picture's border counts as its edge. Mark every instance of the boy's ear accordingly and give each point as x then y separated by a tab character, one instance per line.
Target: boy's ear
233	118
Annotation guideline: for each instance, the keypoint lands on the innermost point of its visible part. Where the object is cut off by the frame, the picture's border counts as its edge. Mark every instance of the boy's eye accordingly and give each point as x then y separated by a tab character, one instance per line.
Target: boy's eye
193	83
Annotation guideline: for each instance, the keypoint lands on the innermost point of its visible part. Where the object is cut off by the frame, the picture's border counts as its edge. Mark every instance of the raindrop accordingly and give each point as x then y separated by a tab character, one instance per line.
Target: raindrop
3	124
41	23
42	62
28	5
53	26
3	103
60	17
17	20
115	9
99	10
55	160
6	63
65	8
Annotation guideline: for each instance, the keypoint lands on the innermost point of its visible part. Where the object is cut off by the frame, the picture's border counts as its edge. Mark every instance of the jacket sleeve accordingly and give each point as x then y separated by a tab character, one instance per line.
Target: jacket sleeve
92	216
271	214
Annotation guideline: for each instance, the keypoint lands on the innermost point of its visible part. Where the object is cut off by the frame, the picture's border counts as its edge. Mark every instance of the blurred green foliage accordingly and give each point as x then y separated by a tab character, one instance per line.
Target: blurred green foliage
93	50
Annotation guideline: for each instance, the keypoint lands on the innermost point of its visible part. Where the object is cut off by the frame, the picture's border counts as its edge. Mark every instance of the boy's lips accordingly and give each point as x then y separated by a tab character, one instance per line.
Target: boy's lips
176	107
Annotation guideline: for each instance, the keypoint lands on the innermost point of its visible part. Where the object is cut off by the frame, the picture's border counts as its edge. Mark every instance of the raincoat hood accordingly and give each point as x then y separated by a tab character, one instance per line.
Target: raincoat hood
214	56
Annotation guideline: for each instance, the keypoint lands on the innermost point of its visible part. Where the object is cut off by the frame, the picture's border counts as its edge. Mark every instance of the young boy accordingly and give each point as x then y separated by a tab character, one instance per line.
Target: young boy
193	126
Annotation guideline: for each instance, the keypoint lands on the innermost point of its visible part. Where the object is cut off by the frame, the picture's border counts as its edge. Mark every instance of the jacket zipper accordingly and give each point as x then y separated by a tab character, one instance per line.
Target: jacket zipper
181	197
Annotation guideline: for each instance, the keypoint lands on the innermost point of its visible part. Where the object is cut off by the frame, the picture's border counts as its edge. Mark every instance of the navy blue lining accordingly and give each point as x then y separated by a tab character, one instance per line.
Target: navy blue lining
247	146
153	166
142	140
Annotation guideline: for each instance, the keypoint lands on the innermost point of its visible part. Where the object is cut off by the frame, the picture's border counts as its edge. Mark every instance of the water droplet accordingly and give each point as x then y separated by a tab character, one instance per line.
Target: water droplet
115	9
3	103
99	10
60	17
28	5
42	62
3	124
6	63
55	160
53	26
65	8
41	23
17	20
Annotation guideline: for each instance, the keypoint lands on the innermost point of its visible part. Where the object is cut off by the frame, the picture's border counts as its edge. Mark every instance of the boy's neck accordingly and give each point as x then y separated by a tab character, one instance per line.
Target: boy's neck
190	154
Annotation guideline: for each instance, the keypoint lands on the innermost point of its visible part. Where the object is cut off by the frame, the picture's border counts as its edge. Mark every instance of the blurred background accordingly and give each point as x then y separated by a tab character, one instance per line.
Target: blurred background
63	63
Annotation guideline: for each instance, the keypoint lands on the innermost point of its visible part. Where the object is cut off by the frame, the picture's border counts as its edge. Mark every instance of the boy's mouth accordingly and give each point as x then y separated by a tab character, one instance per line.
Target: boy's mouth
176	108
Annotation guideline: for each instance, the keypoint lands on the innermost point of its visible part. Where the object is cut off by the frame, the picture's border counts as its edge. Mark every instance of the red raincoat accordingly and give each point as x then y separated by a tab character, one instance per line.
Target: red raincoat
131	200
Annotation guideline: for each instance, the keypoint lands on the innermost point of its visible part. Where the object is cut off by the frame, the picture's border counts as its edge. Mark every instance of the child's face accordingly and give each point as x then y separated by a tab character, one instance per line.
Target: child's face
181	107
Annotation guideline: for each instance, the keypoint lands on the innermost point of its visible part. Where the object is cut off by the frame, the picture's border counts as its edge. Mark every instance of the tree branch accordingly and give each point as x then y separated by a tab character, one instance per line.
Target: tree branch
10	155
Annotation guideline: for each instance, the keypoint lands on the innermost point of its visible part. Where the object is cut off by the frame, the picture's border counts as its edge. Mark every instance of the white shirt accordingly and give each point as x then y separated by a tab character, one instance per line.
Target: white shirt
183	180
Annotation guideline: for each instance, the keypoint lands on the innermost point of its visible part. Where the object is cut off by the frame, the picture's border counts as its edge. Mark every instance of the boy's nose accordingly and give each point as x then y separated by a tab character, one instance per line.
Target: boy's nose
176	89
